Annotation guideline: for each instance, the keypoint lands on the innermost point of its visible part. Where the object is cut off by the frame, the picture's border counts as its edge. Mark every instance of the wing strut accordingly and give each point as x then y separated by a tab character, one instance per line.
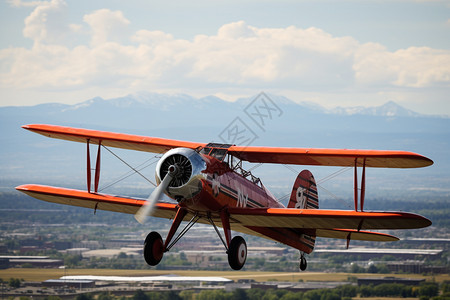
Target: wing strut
363	184
88	168
97	167
355	184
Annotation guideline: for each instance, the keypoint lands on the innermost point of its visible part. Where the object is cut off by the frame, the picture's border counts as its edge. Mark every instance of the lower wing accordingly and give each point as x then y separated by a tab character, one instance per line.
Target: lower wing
338	224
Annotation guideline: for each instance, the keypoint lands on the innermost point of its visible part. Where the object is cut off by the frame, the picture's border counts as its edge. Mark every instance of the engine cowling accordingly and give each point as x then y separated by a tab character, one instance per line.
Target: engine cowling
186	183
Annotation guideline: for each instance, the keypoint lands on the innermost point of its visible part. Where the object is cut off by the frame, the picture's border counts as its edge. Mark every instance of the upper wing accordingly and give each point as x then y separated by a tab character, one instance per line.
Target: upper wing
331	157
300	156
111	139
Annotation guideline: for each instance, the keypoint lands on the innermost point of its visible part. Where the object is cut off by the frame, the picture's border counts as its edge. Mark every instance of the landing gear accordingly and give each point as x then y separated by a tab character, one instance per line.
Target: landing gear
237	253
153	248
303	263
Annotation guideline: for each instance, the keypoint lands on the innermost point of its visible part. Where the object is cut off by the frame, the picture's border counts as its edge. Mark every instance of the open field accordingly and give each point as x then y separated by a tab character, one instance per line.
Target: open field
44	274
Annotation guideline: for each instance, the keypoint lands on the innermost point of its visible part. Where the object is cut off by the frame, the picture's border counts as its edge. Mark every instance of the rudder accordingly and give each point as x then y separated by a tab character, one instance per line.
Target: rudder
304	196
304	193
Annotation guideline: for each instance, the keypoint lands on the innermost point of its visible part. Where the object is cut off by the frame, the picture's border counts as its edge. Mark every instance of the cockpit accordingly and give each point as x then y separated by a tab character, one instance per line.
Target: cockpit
220	152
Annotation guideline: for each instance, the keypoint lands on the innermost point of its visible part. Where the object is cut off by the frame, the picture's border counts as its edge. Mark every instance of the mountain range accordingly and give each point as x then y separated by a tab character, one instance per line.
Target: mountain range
268	120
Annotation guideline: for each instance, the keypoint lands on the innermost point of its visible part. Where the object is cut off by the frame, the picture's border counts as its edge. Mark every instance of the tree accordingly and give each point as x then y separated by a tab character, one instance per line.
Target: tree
105	296
186	295
445	287
140	295
14	283
356	269
239	294
366	291
292	296
372	269
84	297
213	295
428	289
329	295
312	295
348	290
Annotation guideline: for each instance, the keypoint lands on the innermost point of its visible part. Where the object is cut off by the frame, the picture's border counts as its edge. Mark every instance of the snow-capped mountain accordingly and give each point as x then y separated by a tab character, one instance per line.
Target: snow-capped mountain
389	109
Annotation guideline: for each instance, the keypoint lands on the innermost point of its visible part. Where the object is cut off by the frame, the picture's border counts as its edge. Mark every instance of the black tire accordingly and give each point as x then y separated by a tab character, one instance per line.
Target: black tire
303	263
237	253
153	248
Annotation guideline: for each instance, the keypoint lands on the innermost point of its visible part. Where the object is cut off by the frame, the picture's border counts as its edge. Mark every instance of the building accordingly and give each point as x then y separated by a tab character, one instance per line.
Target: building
369	253
377	281
33	261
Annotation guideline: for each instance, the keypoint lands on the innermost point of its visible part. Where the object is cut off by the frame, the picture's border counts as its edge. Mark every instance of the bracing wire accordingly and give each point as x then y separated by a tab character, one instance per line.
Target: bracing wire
128	174
319	183
254	167
332	175
335	197
135	170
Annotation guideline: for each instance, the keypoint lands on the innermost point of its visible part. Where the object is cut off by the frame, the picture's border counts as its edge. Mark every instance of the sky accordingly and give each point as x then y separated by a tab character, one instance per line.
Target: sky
332	53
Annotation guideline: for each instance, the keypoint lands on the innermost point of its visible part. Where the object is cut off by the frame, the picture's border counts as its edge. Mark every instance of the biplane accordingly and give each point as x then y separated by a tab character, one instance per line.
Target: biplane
210	186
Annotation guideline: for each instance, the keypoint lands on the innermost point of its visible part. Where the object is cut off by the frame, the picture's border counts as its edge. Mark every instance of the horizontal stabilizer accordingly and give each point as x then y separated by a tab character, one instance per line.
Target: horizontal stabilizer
345	234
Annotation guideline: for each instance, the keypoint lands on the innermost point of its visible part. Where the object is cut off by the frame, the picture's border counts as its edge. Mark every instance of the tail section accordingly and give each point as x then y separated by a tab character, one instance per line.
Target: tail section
304	193
304	196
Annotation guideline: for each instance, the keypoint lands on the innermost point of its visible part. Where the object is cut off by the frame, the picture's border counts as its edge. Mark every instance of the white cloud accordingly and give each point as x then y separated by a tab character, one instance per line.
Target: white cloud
239	55
413	67
47	22
107	25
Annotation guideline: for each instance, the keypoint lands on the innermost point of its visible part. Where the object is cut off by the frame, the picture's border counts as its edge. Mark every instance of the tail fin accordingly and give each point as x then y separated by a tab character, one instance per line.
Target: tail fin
304	196
304	193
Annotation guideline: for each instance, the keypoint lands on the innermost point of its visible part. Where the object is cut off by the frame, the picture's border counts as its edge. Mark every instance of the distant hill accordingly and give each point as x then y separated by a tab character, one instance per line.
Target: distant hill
27	157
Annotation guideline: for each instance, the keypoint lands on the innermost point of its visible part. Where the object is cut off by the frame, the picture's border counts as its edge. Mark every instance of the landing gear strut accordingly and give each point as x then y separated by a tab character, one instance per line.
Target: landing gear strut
154	247
236	247
303	263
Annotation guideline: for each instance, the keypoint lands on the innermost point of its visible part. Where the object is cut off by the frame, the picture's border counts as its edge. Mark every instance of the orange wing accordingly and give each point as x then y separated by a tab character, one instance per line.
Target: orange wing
331	157
326	219
111	139
251	217
94	200
300	156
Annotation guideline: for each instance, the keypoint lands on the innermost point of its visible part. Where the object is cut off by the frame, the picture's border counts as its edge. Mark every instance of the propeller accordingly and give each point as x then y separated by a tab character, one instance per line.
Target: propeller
149	205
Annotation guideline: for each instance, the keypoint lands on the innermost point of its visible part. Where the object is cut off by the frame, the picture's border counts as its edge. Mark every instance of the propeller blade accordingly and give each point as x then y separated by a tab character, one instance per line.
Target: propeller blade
149	205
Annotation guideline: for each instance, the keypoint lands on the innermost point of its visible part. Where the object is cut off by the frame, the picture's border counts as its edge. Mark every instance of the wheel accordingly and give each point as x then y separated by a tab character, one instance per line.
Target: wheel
237	253
153	248
303	263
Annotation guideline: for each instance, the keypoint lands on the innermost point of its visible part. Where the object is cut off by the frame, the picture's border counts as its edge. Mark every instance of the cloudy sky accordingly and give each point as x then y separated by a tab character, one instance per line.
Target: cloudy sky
333	53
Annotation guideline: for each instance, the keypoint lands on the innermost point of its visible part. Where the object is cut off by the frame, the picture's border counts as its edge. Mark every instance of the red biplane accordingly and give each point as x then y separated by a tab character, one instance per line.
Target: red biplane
210	186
